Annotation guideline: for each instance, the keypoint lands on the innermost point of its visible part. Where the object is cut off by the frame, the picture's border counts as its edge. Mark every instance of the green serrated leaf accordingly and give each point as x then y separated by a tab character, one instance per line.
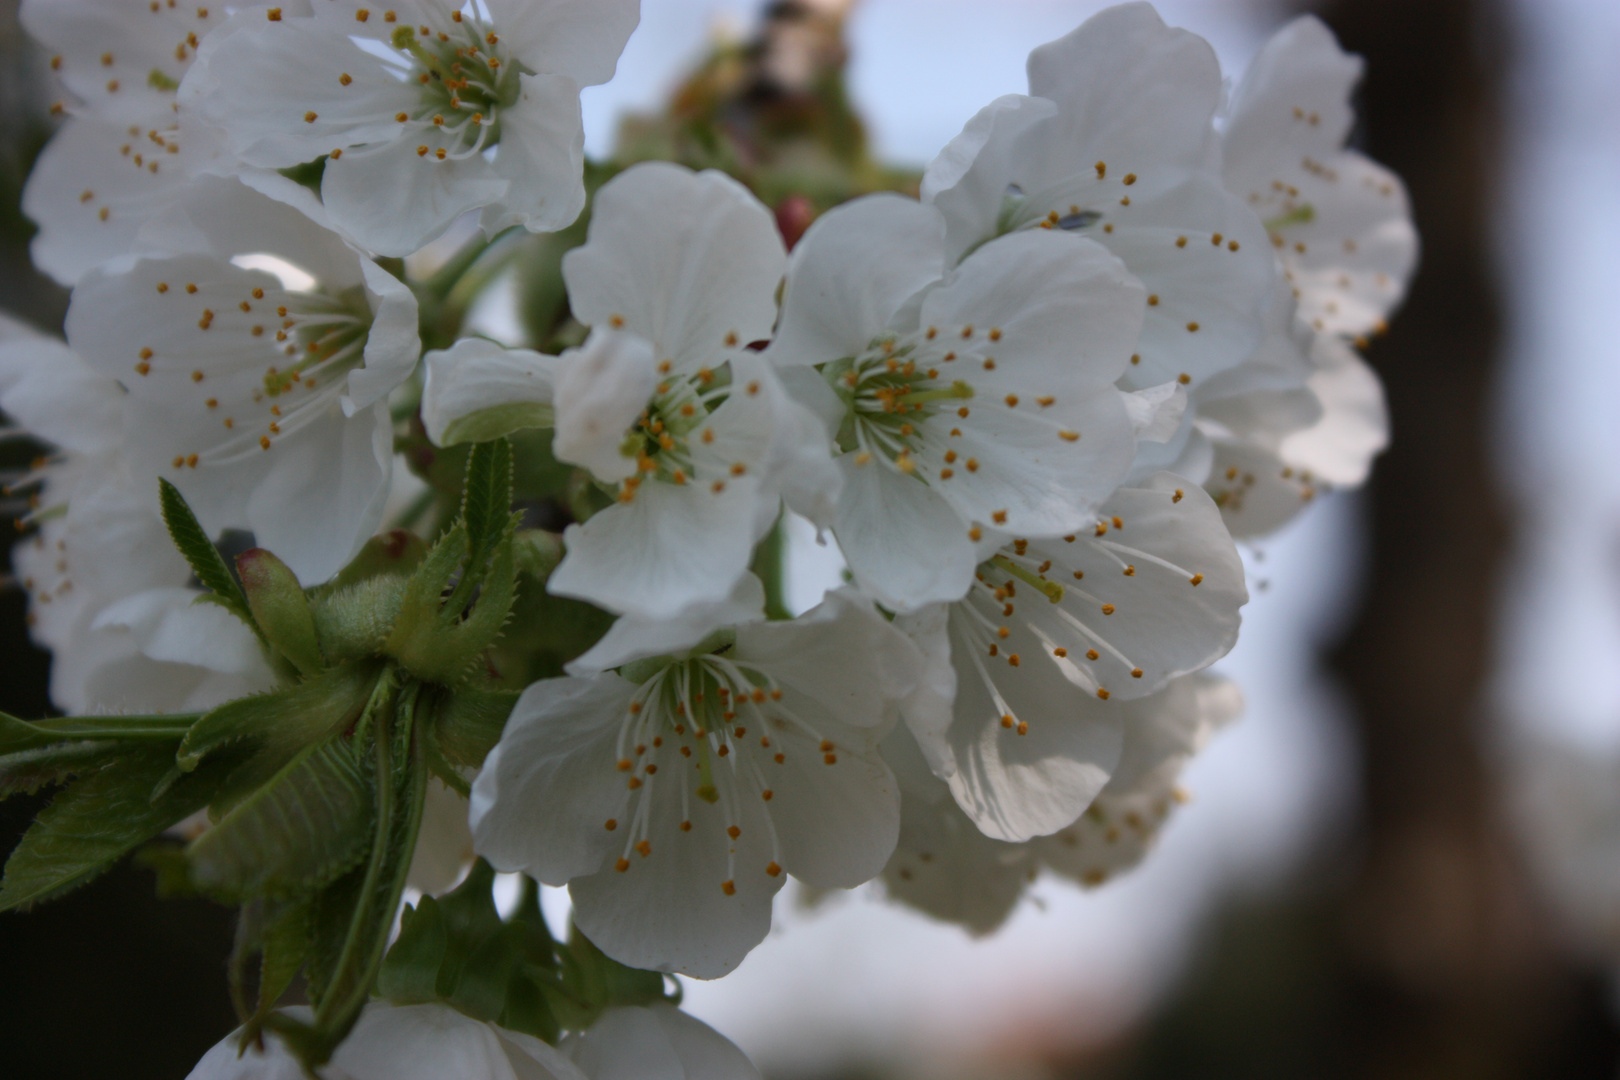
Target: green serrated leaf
200	553
481	986
96	820
469	724
285	719
605	982
486	499
344	969
296	834
437	640
285	947
527	1009
497	422
27	771
411	969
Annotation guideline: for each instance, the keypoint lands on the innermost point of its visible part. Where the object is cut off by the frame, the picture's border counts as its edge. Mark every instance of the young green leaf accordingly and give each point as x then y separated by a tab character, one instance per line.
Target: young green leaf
26	771
96	820
469	724
285	719
296	834
201	555
411	969
486	499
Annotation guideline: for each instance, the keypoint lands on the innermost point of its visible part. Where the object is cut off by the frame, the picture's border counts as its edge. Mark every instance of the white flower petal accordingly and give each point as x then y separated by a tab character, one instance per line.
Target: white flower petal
943	865
1130	595
1070	312
1341	223
335	473
838	297
1015	786
392	342
1156	413
1134	93
89	192
670	910
542	156
1354	426
476	390
46	388
632	637
973	175
704	1052
393	199
581	39
601	389
905	545
689	261
1209	272
669	547
399	1042
539	802
168	625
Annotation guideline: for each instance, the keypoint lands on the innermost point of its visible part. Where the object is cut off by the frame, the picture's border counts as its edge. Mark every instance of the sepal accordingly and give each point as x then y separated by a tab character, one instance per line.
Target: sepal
280	609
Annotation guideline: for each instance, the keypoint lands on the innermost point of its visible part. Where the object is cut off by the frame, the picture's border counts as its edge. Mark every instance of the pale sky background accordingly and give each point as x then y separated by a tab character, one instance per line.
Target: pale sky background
862	975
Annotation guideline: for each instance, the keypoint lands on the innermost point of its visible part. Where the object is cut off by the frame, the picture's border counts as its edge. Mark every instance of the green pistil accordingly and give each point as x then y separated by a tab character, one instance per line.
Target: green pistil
1053	591
1303	214
281	379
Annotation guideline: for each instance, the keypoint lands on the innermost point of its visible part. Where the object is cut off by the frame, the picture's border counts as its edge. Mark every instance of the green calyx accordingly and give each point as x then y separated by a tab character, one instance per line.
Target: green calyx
314	790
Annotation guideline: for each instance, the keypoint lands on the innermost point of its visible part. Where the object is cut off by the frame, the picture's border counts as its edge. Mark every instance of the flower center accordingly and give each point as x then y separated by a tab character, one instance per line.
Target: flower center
465	79
661	438
888	393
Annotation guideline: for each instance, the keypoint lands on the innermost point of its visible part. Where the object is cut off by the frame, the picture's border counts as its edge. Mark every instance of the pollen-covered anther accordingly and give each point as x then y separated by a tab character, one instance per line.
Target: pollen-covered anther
1197	579
610	824
644	848
1102	693
1108	609
622	865
729	887
773	869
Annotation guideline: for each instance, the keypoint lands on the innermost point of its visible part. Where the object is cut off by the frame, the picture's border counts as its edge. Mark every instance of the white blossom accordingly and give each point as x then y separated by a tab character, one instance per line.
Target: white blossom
1339	223
1026	723
1271	459
674	795
1115	144
264	400
117	160
399	1042
654	1043
421	110
666	404
965	402
106	588
946	867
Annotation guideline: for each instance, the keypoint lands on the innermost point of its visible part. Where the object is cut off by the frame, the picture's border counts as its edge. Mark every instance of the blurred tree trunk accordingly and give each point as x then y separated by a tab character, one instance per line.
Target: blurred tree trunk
1452	968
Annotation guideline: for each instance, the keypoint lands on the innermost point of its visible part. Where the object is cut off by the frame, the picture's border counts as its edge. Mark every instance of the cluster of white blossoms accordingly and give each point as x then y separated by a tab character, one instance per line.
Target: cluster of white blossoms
1032	407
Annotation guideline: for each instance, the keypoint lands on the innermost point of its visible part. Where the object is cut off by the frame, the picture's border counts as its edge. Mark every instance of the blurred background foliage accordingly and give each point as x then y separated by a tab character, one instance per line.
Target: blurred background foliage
1412	944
